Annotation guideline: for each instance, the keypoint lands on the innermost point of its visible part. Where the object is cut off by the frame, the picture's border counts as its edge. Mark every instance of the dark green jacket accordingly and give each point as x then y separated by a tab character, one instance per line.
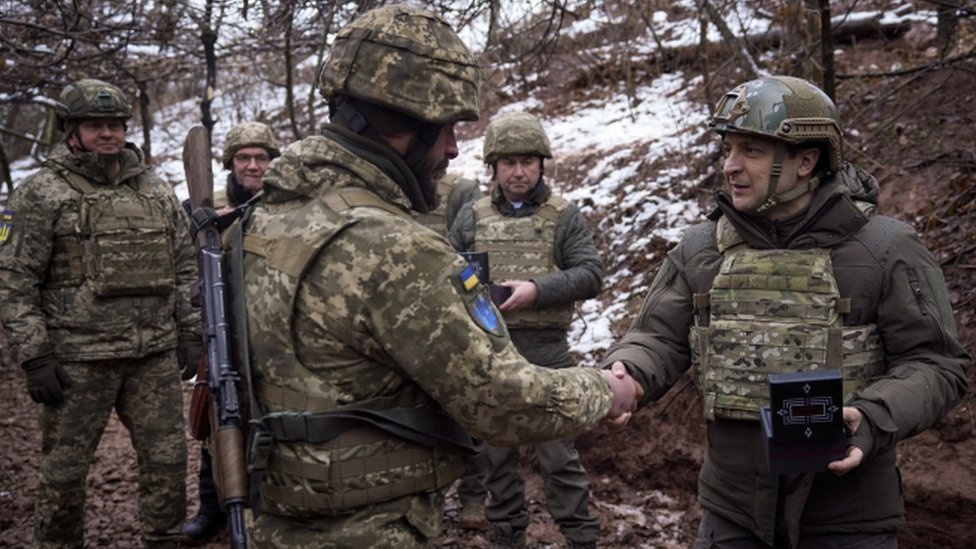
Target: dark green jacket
579	278
892	281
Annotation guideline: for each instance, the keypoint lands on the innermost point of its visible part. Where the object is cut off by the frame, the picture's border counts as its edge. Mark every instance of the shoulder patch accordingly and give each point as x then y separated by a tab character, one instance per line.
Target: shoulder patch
476	300
6	225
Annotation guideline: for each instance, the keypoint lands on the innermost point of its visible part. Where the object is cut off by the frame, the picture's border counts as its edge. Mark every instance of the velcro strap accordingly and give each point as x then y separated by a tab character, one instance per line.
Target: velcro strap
418	425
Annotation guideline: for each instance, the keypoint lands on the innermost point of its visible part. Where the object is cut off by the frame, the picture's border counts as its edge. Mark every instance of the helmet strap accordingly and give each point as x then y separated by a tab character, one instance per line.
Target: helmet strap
772	198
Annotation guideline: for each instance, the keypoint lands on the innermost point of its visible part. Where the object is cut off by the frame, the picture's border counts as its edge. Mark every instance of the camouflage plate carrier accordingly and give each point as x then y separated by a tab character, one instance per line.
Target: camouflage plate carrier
314	464
773	311
519	248
121	243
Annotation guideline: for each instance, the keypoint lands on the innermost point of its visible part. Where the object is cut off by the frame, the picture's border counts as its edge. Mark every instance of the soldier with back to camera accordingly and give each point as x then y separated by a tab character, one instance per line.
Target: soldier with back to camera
374	348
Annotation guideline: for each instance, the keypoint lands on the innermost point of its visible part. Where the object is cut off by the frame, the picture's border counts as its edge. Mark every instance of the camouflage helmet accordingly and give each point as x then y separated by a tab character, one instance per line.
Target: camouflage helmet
90	98
407	59
784	108
515	133
249	134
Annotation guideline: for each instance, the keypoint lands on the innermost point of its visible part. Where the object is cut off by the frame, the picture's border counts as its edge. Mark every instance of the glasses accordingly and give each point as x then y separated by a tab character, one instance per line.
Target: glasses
246	159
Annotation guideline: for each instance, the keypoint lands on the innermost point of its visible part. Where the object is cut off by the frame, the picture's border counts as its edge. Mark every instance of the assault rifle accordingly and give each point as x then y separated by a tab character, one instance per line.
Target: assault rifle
225	415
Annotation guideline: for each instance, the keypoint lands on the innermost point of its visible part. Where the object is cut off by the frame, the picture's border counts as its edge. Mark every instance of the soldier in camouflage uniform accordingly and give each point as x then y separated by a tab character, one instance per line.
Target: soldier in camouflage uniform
539	246
373	345
794	271
248	150
94	286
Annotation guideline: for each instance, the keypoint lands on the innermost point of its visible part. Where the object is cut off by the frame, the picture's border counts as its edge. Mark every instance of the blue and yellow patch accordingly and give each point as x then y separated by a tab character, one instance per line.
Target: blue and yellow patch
478	304
6	225
468	278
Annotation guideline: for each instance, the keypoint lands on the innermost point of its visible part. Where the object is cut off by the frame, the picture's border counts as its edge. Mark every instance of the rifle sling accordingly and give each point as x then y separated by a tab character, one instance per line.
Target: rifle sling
422	426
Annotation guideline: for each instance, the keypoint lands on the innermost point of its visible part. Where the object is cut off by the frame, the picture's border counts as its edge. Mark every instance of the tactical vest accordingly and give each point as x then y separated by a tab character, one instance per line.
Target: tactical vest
773	311
309	469
520	248
122	243
437	220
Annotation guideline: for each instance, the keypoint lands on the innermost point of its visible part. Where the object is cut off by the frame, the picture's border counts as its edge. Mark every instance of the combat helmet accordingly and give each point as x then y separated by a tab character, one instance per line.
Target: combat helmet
515	133
91	98
789	110
249	134
406	59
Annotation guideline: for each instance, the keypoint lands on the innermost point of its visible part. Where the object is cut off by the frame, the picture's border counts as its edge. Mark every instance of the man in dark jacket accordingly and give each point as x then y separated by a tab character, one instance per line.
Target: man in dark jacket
793	211
542	252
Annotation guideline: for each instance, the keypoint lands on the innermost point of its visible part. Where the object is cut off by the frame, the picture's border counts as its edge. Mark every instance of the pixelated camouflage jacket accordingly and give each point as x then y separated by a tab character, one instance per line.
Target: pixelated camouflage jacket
580	274
896	284
73	323
383	309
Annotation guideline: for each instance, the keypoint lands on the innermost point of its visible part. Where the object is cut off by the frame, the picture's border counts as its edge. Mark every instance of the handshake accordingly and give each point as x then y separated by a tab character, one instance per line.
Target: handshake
627	394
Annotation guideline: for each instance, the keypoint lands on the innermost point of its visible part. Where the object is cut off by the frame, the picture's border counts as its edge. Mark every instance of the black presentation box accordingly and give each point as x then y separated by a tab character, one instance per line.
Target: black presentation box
804	423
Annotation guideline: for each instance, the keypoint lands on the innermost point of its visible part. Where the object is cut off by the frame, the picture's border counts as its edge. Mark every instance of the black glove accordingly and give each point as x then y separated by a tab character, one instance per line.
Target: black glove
46	380
189	349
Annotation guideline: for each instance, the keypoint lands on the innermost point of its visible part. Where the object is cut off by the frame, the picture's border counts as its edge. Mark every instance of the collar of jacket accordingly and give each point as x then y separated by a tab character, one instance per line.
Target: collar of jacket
386	159
91	165
237	194
831	219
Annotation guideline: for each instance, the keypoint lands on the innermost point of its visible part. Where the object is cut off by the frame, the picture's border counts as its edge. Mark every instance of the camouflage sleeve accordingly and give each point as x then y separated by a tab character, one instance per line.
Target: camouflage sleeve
462	230
414	311
464	191
185	257
24	258
655	348
927	365
581	274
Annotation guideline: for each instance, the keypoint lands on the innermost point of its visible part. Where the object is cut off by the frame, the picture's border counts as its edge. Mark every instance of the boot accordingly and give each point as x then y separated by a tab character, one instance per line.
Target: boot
506	536
203	527
472	516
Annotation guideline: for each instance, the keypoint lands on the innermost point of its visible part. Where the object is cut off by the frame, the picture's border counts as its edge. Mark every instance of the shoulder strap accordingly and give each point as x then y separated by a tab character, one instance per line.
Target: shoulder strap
697	238
877	236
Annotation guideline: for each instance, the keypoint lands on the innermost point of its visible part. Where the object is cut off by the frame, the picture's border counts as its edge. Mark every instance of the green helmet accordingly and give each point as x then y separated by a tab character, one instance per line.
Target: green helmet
249	134
515	133
90	98
784	108
406	59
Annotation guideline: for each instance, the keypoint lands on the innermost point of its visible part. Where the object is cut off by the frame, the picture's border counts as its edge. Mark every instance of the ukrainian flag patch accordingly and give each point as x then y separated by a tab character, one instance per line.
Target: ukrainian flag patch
469	279
6	225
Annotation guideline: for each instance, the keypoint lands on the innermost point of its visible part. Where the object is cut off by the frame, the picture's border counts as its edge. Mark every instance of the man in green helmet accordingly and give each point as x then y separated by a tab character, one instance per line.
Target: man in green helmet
540	250
94	296
795	272
374	348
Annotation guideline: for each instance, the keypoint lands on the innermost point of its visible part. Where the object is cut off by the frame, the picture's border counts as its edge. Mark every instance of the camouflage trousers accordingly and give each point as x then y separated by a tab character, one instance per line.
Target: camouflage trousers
146	395
565	483
406	522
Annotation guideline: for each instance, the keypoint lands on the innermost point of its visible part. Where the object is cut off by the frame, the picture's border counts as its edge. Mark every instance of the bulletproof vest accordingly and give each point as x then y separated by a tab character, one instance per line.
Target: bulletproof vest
773	311
309	474
520	248
436	220
121	244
